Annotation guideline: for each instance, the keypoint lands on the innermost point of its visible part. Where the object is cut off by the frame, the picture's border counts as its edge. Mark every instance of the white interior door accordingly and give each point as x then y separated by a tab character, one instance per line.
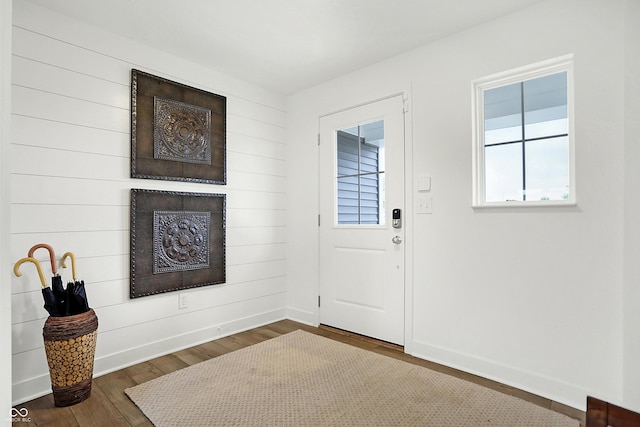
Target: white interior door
361	246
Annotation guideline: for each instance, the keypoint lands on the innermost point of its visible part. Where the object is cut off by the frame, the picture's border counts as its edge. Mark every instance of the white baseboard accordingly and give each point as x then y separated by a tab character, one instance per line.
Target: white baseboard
300	316
549	388
41	385
567	394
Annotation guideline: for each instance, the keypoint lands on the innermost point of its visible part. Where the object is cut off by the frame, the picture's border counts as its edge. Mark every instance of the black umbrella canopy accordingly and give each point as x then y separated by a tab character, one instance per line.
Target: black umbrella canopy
50	303
57	288
77	301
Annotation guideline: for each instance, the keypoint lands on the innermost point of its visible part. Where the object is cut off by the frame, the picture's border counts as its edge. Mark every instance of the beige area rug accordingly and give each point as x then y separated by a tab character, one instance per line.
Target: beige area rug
301	379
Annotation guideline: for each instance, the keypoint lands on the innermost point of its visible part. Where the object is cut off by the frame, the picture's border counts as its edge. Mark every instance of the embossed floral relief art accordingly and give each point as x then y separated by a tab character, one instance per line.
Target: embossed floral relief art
178	132
177	241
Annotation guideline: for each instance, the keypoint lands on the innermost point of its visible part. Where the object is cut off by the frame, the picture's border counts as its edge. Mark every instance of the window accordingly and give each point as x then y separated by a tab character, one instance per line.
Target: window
360	180
523	142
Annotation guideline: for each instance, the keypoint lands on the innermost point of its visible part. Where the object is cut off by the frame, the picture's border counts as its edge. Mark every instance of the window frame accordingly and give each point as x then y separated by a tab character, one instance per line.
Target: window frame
361	143
521	74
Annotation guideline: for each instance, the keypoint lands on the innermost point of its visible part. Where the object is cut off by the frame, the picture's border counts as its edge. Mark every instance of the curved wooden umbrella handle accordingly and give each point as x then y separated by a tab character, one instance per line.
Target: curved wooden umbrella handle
73	263
16	269
52	255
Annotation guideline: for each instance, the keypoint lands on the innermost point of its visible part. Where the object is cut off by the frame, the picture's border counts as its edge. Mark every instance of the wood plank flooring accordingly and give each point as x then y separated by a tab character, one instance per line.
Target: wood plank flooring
109	406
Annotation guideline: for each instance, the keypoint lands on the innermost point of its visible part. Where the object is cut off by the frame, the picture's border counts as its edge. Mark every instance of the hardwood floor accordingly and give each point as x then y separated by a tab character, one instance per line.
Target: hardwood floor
109	406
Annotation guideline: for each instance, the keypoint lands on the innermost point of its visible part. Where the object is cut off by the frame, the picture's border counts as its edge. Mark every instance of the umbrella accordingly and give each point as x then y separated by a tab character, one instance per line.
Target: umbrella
76	293
59	292
49	299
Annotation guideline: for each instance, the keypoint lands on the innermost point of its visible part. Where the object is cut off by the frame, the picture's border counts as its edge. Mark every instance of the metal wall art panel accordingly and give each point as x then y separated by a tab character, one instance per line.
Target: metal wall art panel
177	241
178	132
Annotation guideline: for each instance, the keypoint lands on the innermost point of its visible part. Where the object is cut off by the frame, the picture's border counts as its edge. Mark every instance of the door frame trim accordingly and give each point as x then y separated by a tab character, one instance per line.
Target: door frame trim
362	104
408	206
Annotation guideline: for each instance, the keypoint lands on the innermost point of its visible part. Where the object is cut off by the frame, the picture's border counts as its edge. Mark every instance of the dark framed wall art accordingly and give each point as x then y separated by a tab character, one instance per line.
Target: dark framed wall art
178	132
177	241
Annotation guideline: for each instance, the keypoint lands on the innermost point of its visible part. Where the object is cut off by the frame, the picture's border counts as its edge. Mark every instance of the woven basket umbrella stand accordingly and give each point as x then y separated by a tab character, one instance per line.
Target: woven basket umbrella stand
69	343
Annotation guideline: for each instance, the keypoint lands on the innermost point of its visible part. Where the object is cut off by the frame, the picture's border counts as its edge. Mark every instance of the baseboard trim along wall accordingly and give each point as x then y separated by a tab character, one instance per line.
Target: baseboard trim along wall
40	385
549	388
301	316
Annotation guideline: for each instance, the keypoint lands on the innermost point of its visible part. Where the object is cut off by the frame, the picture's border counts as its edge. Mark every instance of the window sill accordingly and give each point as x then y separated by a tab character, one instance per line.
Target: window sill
521	205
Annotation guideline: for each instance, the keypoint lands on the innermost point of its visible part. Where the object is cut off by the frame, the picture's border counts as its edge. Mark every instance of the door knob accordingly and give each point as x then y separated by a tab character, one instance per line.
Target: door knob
397	240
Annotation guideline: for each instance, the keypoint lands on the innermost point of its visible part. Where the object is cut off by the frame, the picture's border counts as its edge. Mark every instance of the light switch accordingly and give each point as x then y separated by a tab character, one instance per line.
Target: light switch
424	183
424	205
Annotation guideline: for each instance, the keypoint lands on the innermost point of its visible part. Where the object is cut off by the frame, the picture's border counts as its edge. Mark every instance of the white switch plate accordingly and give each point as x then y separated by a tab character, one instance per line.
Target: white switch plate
424	205
424	183
183	301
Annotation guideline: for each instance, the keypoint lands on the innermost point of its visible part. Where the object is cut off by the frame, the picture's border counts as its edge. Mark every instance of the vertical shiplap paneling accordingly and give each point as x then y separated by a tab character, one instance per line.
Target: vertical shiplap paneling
70	183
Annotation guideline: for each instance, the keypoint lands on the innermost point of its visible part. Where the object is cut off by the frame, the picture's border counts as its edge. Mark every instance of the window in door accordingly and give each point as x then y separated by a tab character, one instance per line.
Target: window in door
523	144
360	174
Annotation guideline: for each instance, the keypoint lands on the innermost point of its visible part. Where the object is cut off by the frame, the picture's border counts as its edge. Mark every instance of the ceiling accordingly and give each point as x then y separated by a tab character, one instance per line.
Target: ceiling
284	45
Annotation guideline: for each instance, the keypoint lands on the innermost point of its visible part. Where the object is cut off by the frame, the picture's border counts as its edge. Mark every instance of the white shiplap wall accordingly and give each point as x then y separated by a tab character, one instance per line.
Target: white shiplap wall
70	156
5	292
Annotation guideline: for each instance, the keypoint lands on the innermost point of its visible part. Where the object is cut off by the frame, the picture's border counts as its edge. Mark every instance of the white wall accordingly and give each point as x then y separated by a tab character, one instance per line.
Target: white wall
5	291
631	371
70	155
556	330
529	297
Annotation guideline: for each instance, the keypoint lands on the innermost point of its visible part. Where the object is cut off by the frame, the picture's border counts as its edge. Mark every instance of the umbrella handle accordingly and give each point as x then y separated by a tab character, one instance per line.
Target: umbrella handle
52	255
16	269
73	263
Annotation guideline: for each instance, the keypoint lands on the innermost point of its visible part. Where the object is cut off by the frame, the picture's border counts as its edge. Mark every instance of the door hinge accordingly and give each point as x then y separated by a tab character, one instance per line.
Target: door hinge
405	105
318	300
318	139
318	220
